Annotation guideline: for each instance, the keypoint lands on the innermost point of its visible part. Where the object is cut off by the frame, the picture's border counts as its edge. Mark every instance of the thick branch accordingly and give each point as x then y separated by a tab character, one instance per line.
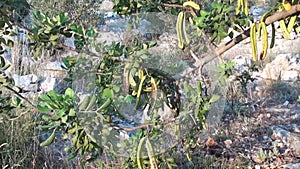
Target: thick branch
244	35
271	19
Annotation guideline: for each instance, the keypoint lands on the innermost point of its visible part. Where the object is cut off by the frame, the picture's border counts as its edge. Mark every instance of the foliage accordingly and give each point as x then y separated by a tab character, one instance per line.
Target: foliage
217	17
127	7
116	75
65	118
82	12
47	32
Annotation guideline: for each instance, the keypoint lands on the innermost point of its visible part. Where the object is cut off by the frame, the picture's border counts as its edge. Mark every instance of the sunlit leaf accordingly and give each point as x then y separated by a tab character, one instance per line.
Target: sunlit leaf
70	93
108	93
72	113
214	98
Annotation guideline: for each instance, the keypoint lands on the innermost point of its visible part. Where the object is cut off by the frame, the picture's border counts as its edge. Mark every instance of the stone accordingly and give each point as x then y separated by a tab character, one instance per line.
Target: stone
286	103
291	166
56	65
26	82
48	83
291	75
165	112
242	63
110	37
294	143
106	5
284	67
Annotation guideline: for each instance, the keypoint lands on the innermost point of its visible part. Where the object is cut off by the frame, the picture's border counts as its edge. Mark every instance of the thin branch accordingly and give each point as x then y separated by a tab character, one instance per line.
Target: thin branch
18	94
136	128
22	114
173	5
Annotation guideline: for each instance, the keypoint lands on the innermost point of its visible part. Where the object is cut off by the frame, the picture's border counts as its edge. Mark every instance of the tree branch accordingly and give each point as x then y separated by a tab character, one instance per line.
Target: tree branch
271	19
226	46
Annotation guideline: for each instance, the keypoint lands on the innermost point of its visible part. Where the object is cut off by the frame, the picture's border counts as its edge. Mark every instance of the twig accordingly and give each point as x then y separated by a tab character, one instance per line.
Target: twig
22	97
173	5
136	128
22	114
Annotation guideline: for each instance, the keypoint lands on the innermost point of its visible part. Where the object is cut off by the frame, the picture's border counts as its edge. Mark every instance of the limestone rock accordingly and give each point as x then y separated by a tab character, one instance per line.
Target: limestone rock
48	83
284	67
106	5
26	82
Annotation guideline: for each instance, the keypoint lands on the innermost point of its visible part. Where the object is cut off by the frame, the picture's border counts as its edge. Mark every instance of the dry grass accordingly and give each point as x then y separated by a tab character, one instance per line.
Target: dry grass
19	146
279	91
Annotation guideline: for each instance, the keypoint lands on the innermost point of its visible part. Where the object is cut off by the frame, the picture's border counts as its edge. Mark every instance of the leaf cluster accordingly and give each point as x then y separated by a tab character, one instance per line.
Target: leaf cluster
47	32
60	113
83	12
127	7
216	18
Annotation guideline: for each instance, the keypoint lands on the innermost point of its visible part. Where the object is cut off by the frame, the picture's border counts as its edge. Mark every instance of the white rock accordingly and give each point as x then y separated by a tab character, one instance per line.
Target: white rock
290	75
109	37
106	5
56	65
280	68
49	83
265	137
291	166
286	103
70	42
257	167
165	113
26	82
242	63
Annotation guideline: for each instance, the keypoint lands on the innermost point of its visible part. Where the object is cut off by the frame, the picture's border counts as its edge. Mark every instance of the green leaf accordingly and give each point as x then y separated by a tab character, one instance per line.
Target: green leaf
44	97
53	37
64	119
152	43
53	94
139	5
129	99
108	93
39	15
10	43
70	93
2	24
116	88
73	27
43	109
214	98
215	5
46	118
72	113
2	62
72	155
91	33
203	14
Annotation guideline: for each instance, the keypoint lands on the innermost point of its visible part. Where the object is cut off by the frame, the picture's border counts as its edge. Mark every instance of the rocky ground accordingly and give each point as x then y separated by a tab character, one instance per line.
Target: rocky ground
267	137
